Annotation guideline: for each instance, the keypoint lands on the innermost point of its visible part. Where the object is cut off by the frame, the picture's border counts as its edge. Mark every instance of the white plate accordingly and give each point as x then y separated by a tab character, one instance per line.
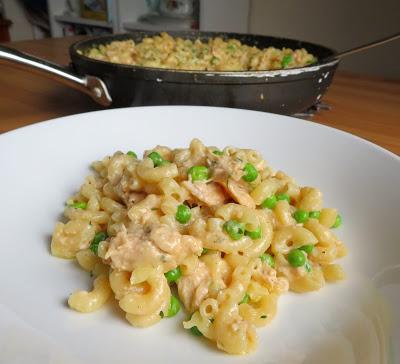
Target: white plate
42	165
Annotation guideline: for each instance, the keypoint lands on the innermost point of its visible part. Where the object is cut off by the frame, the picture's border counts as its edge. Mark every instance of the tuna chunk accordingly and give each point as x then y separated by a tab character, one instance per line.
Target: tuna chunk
154	245
193	288
227	167
240	194
209	193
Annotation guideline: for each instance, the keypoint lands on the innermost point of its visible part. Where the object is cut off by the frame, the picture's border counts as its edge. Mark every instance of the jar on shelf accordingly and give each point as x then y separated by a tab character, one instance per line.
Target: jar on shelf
177	8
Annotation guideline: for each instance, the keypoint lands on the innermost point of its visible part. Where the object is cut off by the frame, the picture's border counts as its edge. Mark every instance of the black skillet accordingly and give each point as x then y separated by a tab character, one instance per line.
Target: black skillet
282	91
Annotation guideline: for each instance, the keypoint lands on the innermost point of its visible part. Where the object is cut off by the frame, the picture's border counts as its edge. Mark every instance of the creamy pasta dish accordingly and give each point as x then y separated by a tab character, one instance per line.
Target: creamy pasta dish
217	232
217	54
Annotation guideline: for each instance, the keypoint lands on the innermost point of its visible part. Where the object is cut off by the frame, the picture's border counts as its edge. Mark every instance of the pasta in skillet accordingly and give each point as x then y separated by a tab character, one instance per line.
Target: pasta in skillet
220	225
215	54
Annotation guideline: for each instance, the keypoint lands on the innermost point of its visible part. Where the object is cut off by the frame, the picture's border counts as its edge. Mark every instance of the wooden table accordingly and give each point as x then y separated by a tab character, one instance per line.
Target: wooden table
367	107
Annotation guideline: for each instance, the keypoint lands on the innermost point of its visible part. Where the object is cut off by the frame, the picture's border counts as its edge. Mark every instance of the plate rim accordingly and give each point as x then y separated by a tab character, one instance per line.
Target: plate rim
308	123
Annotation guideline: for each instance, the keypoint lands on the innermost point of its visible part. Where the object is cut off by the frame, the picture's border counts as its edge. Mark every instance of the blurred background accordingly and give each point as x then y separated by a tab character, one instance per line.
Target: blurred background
339	24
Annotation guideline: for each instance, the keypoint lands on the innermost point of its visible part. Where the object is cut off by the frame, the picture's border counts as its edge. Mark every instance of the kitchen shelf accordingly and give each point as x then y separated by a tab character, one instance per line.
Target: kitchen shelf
127	14
129	26
83	21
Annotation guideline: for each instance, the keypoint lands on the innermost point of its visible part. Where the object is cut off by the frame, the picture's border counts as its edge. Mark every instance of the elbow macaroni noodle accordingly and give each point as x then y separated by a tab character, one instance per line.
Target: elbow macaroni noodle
234	254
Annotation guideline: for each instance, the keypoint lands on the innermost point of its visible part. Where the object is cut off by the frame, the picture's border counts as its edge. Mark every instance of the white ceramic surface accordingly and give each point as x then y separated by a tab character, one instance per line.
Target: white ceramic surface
42	165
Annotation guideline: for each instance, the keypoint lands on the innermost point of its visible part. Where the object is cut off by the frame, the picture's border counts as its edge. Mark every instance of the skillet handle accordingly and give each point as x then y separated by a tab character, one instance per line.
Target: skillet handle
91	85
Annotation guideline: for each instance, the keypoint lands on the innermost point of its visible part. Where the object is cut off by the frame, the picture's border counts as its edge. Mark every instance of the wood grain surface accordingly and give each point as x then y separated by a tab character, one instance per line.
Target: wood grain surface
363	106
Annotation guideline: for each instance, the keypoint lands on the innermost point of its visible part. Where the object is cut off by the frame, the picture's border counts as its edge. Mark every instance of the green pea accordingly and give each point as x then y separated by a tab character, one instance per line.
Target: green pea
218	152
183	214
214	60
173	275
269	202
198	173
301	216
314	214
195	331
204	251
338	222
245	299
132	154
269	259
78	205
255	234
98	238
235	229
296	258
308	248
157	159
288	58
308	267
282	197
174	307
250	172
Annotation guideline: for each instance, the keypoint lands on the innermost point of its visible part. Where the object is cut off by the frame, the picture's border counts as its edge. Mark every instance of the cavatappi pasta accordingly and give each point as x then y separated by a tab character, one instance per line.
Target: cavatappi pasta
220	225
217	54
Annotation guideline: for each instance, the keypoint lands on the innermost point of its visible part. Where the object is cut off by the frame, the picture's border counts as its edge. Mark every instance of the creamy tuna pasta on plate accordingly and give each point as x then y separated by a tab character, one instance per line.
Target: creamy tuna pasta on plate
216	231
216	54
